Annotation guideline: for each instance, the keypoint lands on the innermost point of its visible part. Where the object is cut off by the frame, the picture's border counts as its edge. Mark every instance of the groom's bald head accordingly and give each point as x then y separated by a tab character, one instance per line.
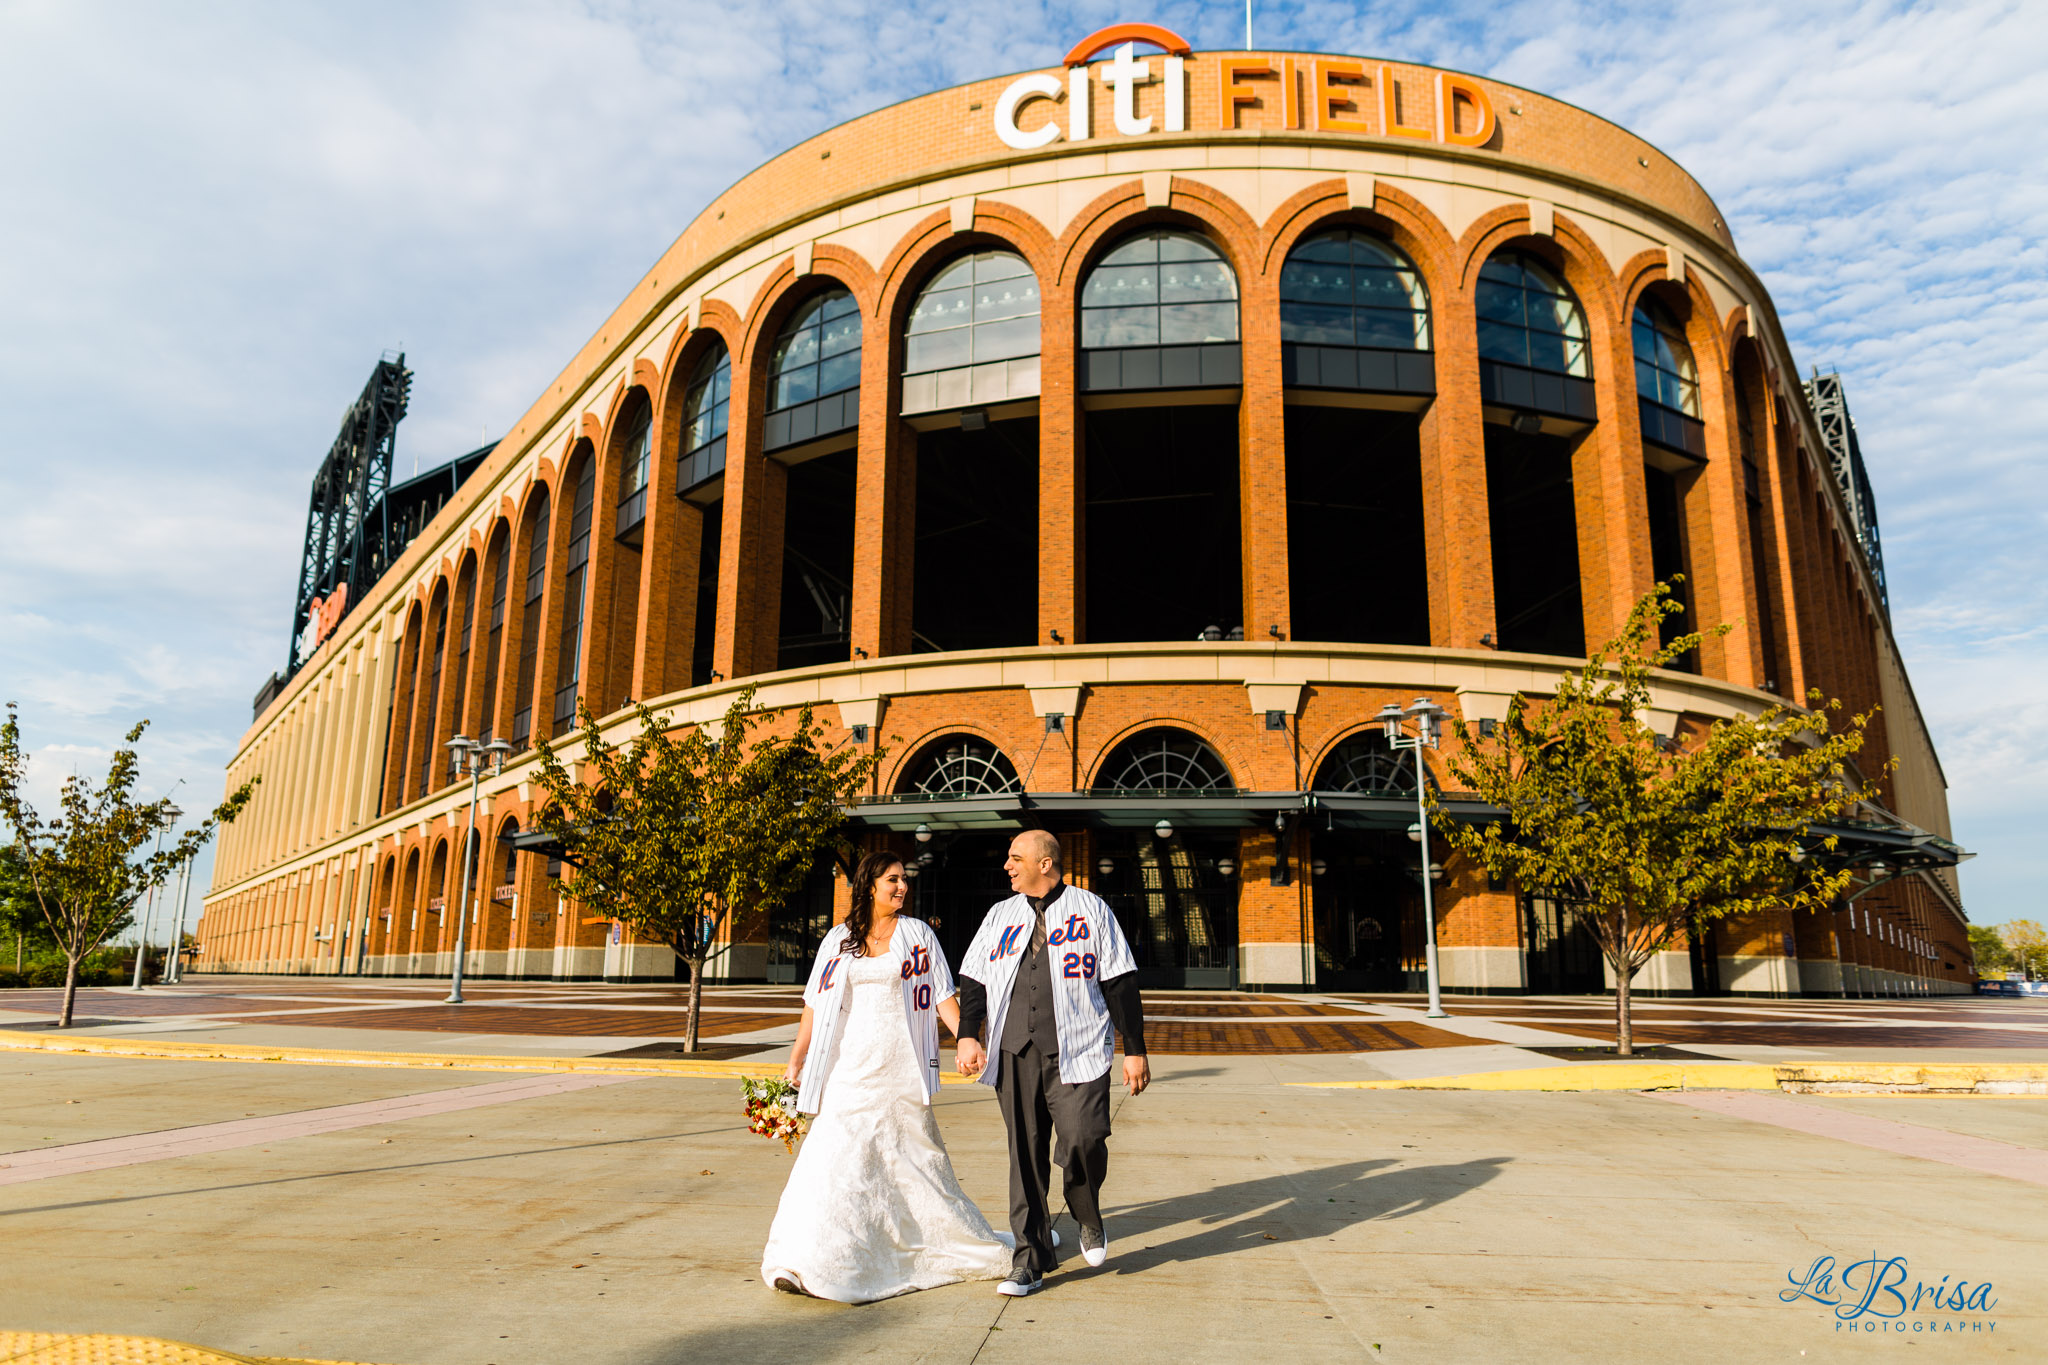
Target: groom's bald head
1034	863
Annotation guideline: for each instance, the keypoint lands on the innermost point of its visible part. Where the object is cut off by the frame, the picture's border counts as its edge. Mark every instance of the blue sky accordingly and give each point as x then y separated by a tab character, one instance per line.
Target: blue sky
217	216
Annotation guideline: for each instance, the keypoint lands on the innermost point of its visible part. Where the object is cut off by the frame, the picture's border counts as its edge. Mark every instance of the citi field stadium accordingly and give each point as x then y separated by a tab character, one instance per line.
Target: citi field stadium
1110	444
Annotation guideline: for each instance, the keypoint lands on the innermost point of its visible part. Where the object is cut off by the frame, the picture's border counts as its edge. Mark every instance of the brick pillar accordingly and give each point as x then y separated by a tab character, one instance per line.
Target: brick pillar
1262	466
750	551
1456	516
1608	491
1271	948
1062	477
884	513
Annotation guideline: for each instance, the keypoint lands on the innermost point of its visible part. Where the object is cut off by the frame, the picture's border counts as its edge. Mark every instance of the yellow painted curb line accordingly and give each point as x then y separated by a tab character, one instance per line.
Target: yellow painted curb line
61	1348
1899	1078
436	1061
1599	1076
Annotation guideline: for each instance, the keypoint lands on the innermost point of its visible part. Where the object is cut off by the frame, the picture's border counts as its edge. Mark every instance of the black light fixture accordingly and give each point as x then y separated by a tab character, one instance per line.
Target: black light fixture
974	419
1276	720
1056	638
1212	633
860	734
1055	722
1527	423
1488	727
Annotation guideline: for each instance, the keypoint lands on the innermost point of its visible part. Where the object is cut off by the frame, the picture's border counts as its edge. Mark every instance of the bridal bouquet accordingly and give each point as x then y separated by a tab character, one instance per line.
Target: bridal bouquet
772	1112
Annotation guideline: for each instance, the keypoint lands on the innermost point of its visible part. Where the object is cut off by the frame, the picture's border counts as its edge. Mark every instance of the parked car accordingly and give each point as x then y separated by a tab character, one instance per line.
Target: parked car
2039	988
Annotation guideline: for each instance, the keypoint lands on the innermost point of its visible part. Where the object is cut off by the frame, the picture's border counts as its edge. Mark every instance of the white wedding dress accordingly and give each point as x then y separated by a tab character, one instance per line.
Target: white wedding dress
872	1207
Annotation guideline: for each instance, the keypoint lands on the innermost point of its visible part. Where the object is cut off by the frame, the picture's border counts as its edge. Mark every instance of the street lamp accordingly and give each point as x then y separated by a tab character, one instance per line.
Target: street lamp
174	967
1426	714
149	914
470	758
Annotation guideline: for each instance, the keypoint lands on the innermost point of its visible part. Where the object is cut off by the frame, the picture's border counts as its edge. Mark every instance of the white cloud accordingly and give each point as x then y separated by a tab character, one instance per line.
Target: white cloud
217	216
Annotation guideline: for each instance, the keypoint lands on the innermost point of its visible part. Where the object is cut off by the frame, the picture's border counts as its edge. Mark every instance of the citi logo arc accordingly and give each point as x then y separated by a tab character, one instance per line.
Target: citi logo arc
1320	94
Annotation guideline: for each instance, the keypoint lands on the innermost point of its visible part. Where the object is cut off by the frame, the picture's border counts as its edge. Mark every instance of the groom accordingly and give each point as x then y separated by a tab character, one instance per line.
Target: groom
1050	971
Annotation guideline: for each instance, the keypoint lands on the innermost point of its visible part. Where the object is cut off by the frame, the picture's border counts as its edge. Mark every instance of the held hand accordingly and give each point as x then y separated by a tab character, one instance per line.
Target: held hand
1137	1074
794	1072
970	1059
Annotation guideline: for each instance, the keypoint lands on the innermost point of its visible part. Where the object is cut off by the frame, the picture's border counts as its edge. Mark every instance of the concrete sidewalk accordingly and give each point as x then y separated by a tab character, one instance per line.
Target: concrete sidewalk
1250	1217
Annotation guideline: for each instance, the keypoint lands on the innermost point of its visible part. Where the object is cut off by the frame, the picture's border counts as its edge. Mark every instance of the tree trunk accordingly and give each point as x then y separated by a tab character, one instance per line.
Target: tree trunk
1624	1035
70	990
696	1002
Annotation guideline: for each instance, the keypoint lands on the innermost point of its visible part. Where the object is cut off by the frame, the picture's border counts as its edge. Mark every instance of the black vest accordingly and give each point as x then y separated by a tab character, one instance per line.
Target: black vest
1030	1018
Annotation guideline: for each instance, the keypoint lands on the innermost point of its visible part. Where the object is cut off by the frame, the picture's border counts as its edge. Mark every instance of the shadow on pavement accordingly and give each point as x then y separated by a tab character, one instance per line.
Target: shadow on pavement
1292	1207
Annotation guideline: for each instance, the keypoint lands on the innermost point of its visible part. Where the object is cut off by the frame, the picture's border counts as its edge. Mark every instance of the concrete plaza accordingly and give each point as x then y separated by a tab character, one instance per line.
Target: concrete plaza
430	1217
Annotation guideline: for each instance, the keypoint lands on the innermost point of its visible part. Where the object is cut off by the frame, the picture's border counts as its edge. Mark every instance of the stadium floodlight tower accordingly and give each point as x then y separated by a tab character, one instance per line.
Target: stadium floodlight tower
348	526
1845	459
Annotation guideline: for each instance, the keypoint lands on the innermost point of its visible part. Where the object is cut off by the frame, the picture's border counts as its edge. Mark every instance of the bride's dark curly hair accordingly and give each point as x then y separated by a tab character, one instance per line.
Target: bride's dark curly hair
861	918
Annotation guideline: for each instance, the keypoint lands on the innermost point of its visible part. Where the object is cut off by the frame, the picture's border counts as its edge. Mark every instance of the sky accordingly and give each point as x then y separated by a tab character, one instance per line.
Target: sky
218	216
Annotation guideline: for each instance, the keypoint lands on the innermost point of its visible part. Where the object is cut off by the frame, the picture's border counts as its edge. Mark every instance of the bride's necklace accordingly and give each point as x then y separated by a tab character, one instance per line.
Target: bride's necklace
876	951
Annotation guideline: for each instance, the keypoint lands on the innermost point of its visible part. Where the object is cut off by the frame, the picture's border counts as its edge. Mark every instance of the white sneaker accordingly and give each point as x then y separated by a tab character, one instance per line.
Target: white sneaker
1094	1247
1018	1285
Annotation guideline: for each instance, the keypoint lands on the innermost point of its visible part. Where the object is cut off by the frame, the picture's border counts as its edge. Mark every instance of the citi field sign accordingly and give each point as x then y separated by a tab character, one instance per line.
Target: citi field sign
1319	94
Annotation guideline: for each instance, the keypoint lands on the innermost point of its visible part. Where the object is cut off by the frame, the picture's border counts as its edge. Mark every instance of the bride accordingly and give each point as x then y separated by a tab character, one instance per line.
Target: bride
872	1207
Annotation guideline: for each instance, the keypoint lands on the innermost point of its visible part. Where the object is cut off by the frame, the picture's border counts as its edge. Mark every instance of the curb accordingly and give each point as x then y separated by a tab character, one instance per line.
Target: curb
63	1348
431	1061
1803	1078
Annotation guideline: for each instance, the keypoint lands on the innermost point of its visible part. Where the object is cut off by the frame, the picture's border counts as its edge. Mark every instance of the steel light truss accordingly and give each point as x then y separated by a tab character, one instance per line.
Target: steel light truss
1845	457
349	540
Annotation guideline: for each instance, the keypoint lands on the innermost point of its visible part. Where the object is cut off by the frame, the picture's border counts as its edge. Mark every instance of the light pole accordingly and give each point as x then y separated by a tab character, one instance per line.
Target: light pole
1426	714
174	967
149	914
470	754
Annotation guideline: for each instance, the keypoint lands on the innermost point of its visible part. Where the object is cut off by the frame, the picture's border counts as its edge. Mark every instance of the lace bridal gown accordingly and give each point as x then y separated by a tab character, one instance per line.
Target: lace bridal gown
872	1207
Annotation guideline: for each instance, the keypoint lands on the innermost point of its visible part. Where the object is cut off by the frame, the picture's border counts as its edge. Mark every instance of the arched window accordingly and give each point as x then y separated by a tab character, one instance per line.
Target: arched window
814	377
960	765
1532	339
499	568
1667	382
1664	370
569	663
636	448
704	412
1163	760
1159	310
529	619
1363	766
424	730
510	872
1354	314
972	336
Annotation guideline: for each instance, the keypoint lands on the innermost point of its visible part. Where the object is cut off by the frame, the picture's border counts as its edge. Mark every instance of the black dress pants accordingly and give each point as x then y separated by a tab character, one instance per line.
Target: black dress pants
1049	1119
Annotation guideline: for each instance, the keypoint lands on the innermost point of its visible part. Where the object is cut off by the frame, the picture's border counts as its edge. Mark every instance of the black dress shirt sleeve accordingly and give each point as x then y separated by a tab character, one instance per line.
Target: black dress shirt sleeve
973	1005
1126	1011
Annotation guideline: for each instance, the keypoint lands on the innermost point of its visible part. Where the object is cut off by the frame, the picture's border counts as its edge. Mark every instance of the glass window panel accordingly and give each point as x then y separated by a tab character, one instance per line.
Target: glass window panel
1315	282
1316	324
1387	329
1001	340
1195	282
1328	247
1140	250
840	304
838	373
1646	380
1005	299
795	386
1498	341
999	265
1111	286
938	308
935	350
1181	246
957	275
1187	323
798	348
1119	327
1495	302
1503	269
1549	352
840	336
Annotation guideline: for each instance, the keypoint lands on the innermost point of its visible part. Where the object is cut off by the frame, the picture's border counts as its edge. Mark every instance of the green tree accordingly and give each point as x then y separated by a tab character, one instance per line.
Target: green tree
1988	949
1654	836
88	868
677	834
21	919
2027	946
